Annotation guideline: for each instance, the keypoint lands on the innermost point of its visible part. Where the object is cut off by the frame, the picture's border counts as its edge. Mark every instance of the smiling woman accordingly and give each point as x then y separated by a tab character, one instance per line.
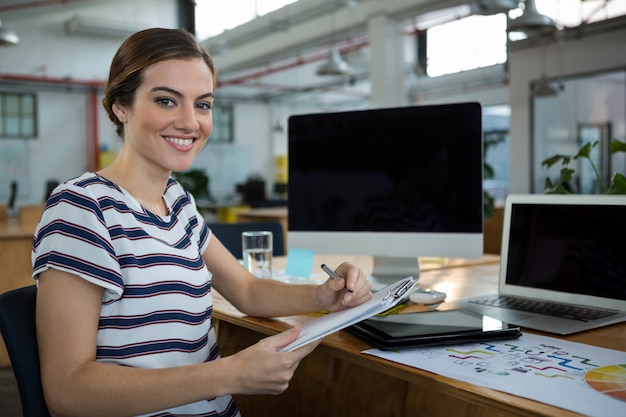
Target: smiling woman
126	264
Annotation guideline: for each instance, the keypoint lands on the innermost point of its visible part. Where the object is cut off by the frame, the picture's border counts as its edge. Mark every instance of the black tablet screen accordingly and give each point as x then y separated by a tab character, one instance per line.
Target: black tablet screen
433	323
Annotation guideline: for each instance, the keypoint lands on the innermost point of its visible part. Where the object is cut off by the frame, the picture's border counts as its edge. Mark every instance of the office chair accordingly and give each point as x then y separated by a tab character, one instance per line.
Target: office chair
230	235
17	325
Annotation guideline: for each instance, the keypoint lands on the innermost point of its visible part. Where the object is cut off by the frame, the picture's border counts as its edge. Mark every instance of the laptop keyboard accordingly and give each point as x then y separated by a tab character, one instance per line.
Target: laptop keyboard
566	311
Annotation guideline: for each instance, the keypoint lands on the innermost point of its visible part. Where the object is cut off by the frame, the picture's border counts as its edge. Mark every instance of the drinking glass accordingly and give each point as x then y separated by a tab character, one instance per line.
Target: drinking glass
257	252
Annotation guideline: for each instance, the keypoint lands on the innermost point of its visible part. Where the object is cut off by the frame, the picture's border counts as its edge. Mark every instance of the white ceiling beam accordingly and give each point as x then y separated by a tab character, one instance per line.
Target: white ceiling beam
307	24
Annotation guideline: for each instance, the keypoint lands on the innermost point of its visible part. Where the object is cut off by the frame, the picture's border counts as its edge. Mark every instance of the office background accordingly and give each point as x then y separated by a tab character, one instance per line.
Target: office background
267	72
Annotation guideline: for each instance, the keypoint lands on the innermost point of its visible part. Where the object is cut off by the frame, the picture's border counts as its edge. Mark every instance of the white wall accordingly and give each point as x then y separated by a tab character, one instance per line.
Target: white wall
60	144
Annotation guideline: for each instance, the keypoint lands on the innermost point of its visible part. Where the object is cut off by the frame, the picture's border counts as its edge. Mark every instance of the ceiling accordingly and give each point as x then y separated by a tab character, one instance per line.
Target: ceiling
276	56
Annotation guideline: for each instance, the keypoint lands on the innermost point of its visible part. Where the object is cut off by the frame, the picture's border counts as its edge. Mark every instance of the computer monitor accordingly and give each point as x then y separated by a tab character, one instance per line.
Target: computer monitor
394	183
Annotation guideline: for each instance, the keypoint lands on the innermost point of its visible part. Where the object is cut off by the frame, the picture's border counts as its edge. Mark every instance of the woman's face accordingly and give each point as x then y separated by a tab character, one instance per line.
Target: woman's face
170	119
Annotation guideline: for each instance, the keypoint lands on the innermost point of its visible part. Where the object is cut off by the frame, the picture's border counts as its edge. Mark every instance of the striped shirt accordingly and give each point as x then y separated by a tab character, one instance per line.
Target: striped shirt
157	305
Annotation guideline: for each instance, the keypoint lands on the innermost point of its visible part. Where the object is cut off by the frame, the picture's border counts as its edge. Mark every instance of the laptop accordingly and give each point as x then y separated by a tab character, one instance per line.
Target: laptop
563	264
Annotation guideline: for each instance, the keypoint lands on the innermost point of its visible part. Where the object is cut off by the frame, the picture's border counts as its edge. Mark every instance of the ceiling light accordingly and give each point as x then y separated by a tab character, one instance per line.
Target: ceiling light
335	64
491	7
531	22
542	88
78	25
8	37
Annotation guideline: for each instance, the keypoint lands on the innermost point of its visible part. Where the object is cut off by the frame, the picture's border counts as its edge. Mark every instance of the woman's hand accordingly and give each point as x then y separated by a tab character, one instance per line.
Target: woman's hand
350	289
263	369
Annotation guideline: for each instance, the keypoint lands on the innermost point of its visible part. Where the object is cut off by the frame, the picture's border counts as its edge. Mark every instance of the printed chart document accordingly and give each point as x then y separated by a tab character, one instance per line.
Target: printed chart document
585	379
381	300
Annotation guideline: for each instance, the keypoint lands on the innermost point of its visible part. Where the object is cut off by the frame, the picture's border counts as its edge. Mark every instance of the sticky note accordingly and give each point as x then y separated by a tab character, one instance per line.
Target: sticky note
299	262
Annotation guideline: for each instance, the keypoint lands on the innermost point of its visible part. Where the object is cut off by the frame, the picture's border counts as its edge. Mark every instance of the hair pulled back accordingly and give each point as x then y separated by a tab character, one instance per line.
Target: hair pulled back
140	51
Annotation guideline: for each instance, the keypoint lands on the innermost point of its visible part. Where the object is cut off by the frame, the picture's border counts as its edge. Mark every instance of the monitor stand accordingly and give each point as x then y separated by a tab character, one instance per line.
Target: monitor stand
389	269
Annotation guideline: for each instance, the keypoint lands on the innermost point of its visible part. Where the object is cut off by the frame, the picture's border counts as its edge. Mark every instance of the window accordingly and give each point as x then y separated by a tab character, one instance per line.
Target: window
465	44
479	41
222	124
18	115
571	13
210	22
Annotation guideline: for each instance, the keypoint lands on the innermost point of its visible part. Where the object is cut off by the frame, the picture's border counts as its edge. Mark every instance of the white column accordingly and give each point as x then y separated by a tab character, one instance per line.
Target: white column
387	62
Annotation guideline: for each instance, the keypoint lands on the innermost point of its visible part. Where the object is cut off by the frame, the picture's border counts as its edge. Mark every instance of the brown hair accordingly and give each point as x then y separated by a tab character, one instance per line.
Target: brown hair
140	51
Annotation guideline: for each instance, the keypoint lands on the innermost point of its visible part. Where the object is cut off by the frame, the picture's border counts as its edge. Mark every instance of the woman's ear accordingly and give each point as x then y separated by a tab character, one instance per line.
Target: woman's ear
120	111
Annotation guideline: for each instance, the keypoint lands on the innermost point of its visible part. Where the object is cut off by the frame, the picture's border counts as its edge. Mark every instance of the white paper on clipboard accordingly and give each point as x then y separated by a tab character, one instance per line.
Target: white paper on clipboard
381	300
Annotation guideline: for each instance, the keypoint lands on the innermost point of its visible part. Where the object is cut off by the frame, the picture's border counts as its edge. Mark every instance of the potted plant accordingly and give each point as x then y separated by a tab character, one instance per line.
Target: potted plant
617	183
195	181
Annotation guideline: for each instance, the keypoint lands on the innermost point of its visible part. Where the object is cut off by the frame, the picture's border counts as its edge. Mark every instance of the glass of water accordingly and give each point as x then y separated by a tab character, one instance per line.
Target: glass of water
257	252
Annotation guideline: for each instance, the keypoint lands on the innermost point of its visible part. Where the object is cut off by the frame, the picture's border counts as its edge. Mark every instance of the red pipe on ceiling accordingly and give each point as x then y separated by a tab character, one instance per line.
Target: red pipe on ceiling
44	79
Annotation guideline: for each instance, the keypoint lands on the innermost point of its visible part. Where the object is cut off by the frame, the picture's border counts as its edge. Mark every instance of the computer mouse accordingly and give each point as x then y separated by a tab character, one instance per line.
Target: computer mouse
425	296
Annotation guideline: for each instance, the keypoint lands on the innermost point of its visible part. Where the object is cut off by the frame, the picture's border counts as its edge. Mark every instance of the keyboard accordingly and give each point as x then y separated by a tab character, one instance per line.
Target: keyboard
567	311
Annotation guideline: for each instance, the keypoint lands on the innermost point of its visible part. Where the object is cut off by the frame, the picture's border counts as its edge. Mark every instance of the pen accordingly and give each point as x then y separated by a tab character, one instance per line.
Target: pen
333	275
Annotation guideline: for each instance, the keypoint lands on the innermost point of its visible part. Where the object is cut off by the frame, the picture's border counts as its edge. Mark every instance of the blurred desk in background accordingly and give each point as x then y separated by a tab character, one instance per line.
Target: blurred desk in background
221	212
278	214
30	213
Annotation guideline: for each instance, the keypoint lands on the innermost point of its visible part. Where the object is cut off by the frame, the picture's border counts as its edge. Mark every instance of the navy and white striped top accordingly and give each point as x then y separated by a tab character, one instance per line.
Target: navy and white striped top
157	305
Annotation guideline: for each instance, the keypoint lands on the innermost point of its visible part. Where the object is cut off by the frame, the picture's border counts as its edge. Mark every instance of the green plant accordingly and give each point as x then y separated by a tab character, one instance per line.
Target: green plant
617	183
195	181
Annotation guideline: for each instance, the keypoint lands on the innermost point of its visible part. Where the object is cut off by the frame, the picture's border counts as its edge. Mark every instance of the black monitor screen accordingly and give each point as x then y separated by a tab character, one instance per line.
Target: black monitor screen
408	169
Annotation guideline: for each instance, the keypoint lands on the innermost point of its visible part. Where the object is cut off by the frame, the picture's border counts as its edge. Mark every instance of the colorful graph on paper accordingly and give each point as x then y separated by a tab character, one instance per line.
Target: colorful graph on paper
609	380
574	376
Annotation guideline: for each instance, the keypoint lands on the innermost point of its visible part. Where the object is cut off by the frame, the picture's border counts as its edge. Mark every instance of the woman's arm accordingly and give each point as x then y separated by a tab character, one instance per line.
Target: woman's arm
271	298
68	310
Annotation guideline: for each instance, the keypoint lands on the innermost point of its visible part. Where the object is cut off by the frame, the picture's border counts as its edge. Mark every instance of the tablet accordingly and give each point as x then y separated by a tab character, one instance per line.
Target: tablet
432	328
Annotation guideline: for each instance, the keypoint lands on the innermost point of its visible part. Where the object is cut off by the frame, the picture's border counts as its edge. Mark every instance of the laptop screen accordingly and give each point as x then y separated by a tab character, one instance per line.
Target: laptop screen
569	248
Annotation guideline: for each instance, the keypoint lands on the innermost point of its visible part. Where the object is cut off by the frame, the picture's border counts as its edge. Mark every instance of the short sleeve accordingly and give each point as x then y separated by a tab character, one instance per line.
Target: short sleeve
72	236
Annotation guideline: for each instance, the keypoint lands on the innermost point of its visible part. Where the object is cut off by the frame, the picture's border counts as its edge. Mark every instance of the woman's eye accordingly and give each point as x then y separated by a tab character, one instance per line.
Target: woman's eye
205	106
165	102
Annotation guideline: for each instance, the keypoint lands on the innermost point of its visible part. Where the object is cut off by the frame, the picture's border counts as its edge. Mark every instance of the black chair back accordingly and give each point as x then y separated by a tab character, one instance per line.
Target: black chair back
17	325
230	235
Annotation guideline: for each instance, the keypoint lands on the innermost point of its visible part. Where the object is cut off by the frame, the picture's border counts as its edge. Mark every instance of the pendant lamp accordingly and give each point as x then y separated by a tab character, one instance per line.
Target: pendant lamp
335	64
531	22
8	37
543	88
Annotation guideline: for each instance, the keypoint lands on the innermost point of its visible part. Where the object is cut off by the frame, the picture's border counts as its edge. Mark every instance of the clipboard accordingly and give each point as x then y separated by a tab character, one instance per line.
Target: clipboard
381	300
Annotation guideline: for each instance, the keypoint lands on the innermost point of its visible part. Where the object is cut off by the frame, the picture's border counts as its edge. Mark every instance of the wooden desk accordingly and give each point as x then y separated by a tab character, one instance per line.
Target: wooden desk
30	213
16	243
337	380
4	213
